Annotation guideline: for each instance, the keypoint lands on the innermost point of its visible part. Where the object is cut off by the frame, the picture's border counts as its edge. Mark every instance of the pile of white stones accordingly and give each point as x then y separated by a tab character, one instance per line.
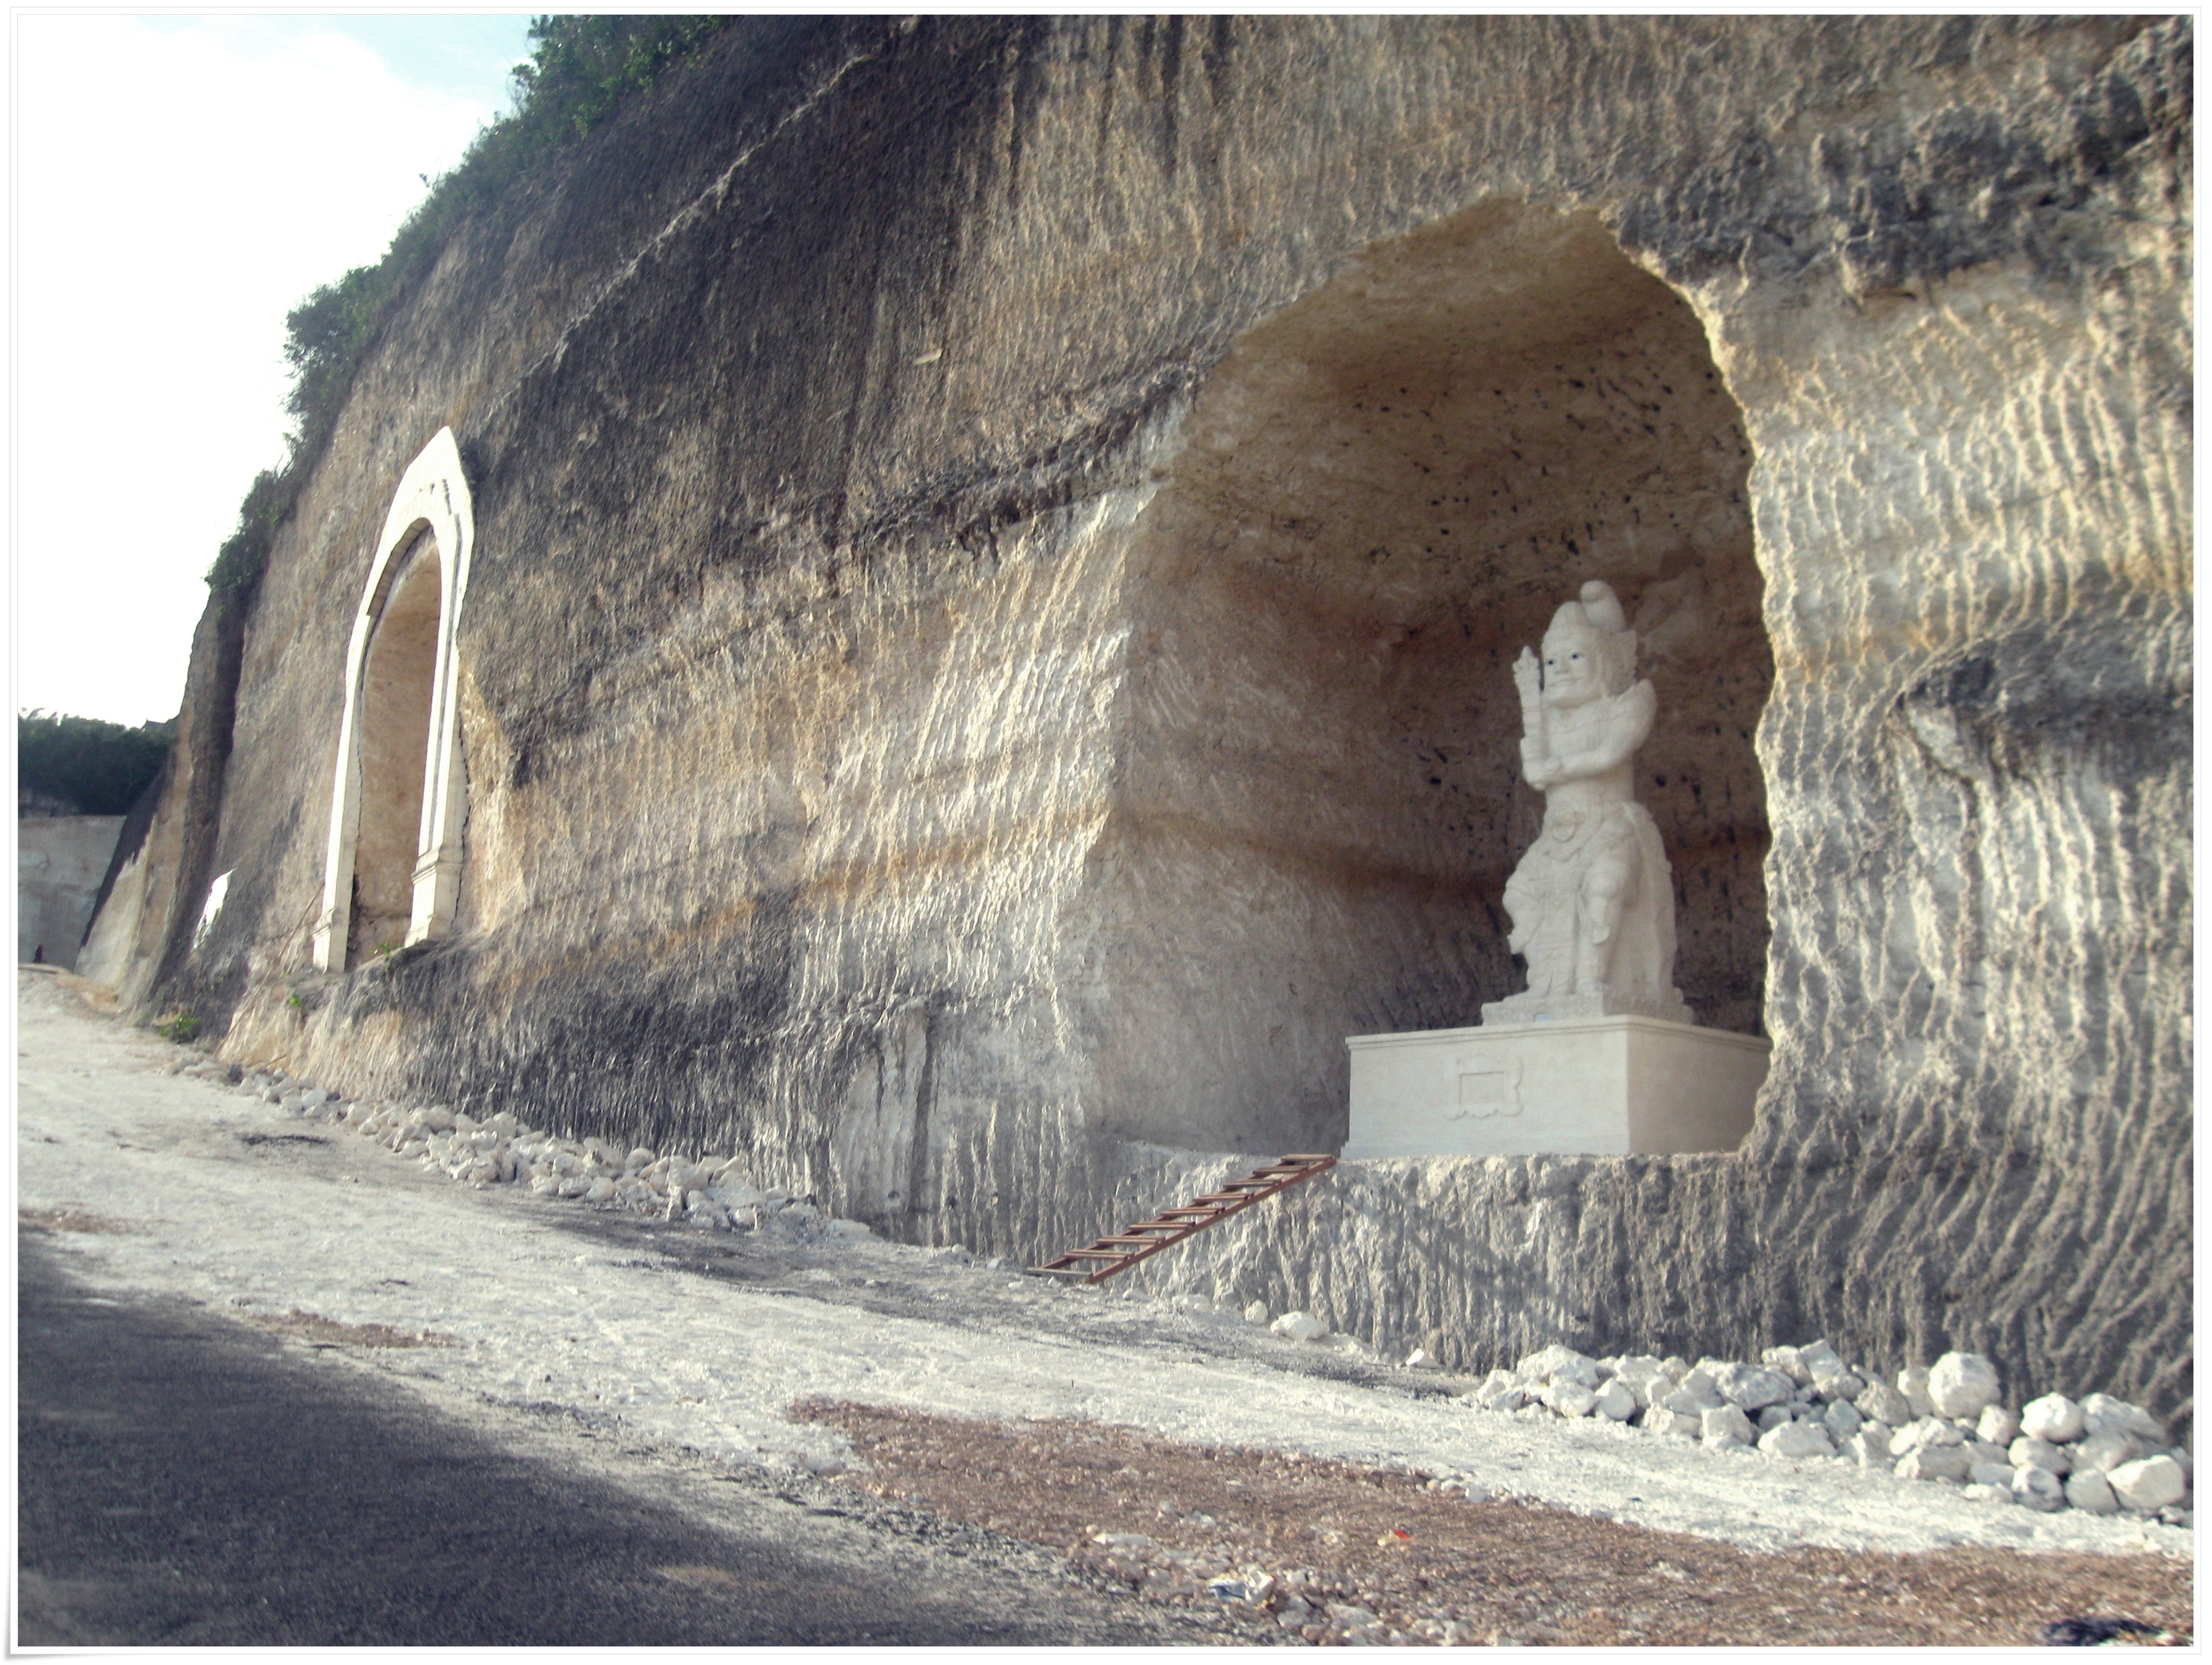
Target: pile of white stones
710	1191
1947	1422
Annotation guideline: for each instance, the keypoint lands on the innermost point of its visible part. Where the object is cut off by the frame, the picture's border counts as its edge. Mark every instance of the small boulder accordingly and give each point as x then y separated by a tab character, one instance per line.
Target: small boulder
2106	1451
1869	1446
2089	1492
1912	1383
2054	1418
1569	1397
1962	1384
1999	1425
1982	1451
1256	1313
600	1191
1928	1431
1299	1326
1819	1359
1642	1376
1695	1394
1989	1473
1882	1403
853	1230
1511	1394
1933	1462
1796	1439
2038	1489
1550	1364
1726	1425
1753	1387
1658	1419
1989	1492
1842	1420
1615	1402
2149	1483
2102	1414
2029	1452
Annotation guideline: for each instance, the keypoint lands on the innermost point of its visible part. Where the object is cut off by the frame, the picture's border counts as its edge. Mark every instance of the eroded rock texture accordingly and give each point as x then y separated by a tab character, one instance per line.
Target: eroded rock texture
998	548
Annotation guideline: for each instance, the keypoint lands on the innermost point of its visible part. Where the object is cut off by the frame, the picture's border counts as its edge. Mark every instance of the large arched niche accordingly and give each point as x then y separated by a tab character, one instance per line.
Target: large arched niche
1382	494
392	874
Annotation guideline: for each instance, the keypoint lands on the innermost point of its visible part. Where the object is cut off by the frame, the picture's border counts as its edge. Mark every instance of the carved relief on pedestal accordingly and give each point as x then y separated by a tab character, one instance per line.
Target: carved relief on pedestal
1592	903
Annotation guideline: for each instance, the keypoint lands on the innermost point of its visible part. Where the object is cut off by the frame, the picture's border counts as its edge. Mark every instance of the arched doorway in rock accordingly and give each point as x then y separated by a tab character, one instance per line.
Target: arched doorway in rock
1381	495
391	876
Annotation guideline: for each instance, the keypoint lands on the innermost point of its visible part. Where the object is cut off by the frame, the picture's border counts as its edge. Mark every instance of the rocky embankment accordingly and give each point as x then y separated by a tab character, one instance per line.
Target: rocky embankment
500	1150
1945	1423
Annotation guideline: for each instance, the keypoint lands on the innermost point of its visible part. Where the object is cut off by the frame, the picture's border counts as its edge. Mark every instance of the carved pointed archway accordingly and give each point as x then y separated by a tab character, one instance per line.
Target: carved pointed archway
399	798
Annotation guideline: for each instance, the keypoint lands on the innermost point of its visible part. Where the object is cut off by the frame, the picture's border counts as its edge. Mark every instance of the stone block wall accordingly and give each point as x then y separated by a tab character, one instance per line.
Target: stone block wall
59	861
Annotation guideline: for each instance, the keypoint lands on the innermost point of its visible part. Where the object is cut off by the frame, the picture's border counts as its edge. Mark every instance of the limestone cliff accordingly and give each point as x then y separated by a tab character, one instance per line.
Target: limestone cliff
997	548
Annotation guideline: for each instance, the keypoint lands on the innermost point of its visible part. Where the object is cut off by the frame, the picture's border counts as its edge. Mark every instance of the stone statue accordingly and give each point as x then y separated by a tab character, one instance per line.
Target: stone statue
1592	903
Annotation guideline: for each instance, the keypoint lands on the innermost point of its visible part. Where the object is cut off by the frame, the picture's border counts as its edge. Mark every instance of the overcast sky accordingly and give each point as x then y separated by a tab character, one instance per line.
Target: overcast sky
181	182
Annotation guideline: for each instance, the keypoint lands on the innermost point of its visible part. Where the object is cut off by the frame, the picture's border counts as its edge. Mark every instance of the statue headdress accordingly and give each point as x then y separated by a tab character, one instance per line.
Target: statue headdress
1598	616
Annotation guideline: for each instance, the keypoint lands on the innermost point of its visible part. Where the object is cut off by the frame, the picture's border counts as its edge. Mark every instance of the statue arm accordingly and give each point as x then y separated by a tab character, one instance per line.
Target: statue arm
1536	743
1627	728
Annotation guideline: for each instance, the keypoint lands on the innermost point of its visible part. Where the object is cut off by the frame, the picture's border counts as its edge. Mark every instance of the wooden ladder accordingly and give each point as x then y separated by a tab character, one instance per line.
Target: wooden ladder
1133	1244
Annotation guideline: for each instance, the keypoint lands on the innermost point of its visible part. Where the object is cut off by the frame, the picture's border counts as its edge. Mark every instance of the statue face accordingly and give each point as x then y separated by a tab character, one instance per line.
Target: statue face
1571	672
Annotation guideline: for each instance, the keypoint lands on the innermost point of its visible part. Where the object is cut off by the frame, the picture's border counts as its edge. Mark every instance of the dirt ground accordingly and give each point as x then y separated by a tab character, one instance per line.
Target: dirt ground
1331	1552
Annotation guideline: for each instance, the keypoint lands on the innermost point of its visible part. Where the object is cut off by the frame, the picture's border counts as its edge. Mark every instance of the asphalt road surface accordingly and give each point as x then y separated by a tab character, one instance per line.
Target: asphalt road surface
184	1480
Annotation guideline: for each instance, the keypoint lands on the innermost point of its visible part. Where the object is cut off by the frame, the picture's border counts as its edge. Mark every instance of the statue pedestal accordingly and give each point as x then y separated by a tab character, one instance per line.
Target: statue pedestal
1583	1086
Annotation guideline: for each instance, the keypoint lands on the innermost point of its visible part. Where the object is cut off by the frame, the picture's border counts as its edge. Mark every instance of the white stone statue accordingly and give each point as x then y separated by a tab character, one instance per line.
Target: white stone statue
1592	903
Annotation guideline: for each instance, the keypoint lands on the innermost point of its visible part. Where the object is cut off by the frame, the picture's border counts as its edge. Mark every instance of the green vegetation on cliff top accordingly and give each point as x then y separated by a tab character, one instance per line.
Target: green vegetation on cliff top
579	70
97	768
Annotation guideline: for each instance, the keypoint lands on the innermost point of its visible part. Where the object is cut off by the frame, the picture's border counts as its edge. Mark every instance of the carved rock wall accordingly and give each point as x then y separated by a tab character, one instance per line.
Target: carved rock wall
967	694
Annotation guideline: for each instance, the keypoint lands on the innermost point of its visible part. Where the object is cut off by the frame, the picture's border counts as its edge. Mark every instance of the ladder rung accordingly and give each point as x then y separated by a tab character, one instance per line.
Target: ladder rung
1136	1241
